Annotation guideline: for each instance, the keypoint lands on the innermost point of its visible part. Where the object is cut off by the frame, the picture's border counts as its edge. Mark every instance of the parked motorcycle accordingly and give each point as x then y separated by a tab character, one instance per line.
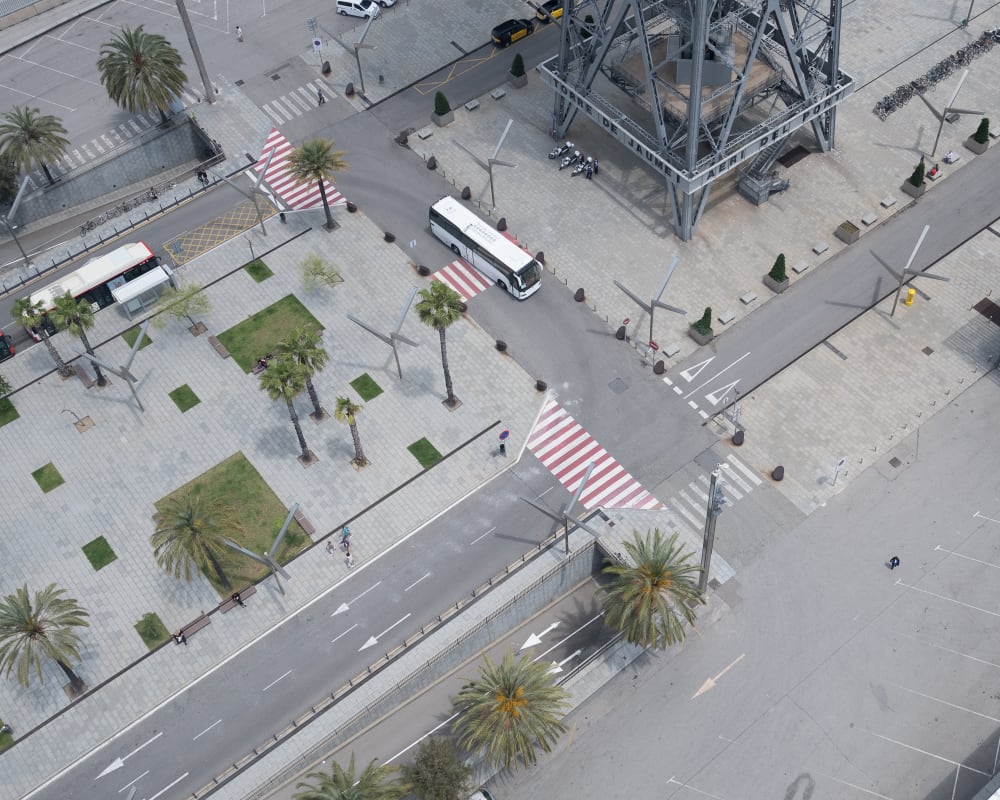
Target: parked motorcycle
581	165
560	150
570	159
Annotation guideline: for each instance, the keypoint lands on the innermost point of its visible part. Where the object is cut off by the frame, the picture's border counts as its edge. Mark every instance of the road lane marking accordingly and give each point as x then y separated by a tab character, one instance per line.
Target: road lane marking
344	633
568	636
945	702
347	606
693	789
118	763
374	639
949	599
218	721
983	516
276	680
967	558
136	780
945	759
427	575
484	535
169	786
948	650
716	375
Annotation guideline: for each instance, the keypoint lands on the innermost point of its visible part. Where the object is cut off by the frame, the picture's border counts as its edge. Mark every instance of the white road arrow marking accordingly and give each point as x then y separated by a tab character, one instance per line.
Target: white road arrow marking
557	668
118	763
721	393
691	372
534	639
710	683
347	606
716	375
374	640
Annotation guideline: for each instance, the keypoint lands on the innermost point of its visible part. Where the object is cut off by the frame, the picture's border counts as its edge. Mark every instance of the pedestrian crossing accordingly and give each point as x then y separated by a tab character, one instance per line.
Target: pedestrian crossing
736	479
297	102
298	196
463	278
566	450
80	154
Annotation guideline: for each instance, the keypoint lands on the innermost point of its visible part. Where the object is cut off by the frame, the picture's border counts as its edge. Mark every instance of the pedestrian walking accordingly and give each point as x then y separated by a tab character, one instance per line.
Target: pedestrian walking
894	562
345	538
350	557
590	170
320	96
596	166
239	34
329	546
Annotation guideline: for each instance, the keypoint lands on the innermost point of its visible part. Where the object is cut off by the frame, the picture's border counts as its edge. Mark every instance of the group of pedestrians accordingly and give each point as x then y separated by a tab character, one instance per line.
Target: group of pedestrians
345	545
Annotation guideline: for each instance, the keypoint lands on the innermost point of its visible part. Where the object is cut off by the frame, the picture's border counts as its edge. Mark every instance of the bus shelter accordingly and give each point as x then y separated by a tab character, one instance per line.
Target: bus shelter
140	293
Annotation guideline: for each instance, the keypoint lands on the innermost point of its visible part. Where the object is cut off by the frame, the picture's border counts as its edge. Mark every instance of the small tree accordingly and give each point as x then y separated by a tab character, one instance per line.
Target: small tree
316	273
441	104
517	66
437	772
917	178
982	134
704	325
346	411
183	303
5	387
32	315
777	272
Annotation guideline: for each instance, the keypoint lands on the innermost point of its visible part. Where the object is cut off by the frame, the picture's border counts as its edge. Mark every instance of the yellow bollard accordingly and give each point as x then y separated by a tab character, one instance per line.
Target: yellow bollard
910	294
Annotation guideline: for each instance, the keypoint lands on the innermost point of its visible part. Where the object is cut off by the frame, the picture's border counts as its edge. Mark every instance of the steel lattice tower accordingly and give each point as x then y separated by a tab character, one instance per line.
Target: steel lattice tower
766	69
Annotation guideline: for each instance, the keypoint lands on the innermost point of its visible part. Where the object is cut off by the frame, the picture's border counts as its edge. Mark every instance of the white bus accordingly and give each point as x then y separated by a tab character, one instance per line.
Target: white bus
489	251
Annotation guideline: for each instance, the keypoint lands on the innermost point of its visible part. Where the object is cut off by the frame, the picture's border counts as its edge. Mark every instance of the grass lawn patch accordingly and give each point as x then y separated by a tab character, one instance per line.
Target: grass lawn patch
7	412
152	630
6	739
184	398
258	270
235	482
48	477
132	334
99	553
425	453
257	336
366	387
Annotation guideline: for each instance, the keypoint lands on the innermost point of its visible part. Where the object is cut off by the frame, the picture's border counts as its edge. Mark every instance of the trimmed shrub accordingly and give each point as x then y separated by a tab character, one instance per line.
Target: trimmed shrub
777	272
441	104
917	178
517	66
704	325
982	134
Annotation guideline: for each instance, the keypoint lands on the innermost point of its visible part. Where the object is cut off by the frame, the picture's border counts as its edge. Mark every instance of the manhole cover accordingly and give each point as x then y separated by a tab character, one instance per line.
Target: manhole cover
618	386
275	77
239	82
928	350
895	462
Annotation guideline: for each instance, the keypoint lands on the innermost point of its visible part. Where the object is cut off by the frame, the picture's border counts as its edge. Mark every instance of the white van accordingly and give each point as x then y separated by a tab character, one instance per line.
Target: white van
357	8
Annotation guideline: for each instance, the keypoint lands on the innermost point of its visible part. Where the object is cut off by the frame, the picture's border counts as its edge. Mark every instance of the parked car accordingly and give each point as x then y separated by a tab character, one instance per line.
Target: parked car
550	10
6	348
480	794
508	32
386	3
357	8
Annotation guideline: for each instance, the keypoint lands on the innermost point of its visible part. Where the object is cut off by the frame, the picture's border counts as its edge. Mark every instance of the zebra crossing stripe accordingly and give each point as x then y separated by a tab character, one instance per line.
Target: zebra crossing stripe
744	469
299	196
567	451
463	278
732	476
274	115
683	510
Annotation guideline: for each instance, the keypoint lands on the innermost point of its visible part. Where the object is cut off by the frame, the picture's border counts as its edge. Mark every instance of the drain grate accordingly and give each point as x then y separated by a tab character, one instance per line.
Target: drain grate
927	351
895	462
618	386
275	77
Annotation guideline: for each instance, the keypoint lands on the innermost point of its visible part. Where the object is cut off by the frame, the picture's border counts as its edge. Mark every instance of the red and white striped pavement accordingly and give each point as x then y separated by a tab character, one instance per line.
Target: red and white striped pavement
565	448
463	278
297	196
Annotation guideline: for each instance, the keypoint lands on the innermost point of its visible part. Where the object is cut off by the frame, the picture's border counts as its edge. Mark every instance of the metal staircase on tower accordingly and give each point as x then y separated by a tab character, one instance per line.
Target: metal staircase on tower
700	89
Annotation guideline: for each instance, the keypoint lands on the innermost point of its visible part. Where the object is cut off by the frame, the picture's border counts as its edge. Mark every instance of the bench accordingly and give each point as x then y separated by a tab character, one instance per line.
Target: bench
245	592
193	627
801	267
306	525
472	105
83	375
218	346
870	218
748	298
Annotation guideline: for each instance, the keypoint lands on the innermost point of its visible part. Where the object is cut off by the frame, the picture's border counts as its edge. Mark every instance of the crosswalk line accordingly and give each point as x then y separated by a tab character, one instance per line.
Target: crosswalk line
463	278
685	512
744	469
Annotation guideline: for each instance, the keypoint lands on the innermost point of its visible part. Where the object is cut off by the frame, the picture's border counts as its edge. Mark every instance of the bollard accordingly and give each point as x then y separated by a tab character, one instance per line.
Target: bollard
910	294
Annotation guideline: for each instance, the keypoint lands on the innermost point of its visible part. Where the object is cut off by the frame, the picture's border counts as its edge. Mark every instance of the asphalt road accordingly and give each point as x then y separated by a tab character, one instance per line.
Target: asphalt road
183	743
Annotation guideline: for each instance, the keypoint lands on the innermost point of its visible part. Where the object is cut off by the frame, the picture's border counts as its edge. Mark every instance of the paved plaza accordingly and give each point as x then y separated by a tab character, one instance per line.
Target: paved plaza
865	395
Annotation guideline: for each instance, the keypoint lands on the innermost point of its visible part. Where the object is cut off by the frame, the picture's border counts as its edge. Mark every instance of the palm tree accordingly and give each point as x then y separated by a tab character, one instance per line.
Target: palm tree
29	137
191	534
284	380
439	307
510	707
32	315
76	316
346	411
373	783
43	627
141	71
643	600
304	348
316	160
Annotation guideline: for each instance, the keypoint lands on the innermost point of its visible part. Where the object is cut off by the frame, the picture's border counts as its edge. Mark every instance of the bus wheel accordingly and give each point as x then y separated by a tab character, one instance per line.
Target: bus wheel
455	250
502	285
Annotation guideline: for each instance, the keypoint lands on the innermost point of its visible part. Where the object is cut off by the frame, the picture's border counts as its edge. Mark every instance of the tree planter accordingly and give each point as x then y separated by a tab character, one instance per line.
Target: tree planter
914	191
976	147
847	232
700	336
198	329
775	286
517	81
443	119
